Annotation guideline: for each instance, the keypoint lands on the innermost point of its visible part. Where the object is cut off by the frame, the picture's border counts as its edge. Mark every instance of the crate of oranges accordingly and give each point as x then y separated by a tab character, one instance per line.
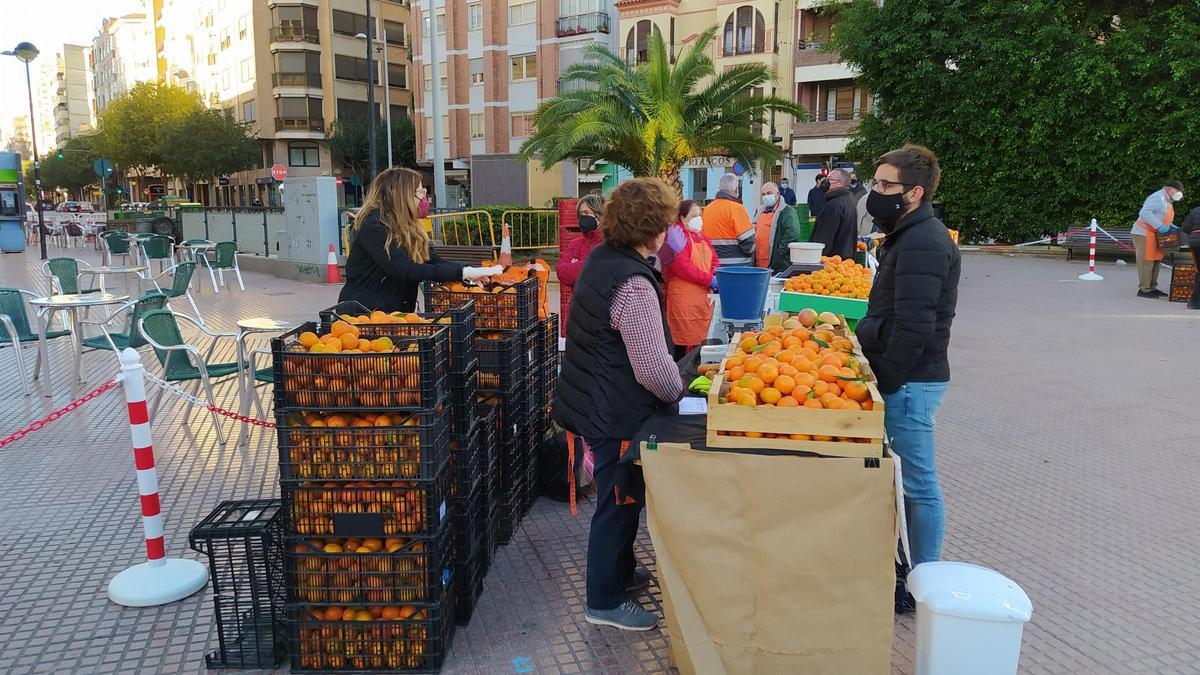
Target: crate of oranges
842	288
511	306
412	508
357	638
336	367
459	317
369	570
792	387
392	445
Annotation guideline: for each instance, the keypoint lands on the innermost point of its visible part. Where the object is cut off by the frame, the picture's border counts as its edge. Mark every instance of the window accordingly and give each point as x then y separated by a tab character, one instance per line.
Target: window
295	20
349	23
841	102
637	43
393	32
524	67
297	69
476	125
816	29
226	79
268	154
476	71
225	41
429	130
353	68
577	7
520	13
475	16
397	75
428	78
441	23
445	127
399	112
249	113
356	109
303	154
243	27
745	32
247	70
522	124
300	113
424	27
212	59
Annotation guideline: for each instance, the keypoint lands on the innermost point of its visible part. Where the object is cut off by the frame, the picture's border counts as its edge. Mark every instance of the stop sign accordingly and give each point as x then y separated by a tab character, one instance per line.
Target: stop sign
279	172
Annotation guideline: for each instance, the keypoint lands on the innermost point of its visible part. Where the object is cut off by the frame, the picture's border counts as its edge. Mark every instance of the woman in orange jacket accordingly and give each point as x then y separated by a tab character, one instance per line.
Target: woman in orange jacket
688	262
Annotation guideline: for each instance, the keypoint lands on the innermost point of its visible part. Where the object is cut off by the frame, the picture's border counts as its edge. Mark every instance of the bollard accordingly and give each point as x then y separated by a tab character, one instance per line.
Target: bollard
1091	273
160	579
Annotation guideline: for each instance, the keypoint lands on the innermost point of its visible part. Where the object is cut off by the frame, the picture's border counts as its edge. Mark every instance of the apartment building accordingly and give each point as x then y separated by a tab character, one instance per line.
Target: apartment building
497	62
288	68
825	86
64	96
17	137
122	55
748	31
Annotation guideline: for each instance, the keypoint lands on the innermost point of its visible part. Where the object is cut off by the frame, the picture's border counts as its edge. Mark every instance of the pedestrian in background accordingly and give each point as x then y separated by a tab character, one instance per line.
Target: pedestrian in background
1157	215
727	225
866	223
906	331
1191	228
786	191
776	226
816	196
837	224
617	372
857	189
688	262
588	212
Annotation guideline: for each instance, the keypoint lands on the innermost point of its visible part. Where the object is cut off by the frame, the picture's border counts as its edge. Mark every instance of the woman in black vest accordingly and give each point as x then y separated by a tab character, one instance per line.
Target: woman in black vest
617	371
390	254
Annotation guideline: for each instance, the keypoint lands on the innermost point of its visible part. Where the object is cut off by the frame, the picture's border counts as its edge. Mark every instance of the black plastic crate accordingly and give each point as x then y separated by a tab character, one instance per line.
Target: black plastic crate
490	543
412	377
470	521
244	544
397	445
468	459
503	360
509	515
414	508
469	575
460	318
369	571
373	638
514	307
513	413
462	402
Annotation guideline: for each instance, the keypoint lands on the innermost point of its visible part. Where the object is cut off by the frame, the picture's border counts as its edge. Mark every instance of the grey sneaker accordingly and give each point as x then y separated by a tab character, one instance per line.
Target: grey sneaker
641	579
628	616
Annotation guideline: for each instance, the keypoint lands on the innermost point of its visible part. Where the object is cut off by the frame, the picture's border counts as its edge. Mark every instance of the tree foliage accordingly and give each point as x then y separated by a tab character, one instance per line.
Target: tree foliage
131	128
73	171
349	144
1044	113
653	117
207	143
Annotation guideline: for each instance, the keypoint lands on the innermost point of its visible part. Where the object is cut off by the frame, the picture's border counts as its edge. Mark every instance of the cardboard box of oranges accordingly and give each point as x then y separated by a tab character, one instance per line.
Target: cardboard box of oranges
798	387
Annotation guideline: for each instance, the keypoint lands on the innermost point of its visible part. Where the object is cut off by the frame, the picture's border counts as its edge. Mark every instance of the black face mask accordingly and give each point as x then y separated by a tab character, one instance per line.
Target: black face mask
823	186
885	209
588	223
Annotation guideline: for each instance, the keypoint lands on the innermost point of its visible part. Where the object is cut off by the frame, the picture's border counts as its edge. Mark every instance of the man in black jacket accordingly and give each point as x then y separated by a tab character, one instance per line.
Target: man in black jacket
906	331
837	224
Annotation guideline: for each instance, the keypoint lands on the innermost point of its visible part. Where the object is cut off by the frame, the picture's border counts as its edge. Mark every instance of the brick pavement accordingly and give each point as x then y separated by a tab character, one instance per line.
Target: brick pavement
1064	446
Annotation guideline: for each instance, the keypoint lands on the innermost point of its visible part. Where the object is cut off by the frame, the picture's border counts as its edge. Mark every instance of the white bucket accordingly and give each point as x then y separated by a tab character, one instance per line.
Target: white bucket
805	252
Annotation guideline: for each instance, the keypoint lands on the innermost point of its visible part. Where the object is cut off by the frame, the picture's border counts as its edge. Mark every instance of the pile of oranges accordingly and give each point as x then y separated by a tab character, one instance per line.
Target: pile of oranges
387	317
344	338
791	366
840	279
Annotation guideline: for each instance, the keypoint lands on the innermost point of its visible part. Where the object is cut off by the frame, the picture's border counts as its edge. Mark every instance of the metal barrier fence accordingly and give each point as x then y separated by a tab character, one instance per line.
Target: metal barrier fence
532	229
464	228
258	231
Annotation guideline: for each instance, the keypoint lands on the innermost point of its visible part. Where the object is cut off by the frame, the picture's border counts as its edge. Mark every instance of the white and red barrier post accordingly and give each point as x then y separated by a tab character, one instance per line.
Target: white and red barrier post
1091	273
160	579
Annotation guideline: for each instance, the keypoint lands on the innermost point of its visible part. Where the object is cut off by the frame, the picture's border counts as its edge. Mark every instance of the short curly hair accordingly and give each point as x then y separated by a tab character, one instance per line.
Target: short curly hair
638	211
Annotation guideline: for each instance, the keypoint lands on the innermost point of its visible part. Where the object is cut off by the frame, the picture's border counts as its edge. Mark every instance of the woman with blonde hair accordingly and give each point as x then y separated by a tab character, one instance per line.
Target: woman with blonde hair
390	256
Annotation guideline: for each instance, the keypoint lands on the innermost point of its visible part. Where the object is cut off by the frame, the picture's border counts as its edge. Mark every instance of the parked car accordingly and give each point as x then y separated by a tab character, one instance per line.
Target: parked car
75	207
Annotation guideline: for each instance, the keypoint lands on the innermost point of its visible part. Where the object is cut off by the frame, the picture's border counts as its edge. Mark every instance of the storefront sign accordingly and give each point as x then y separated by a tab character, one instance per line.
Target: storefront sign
708	162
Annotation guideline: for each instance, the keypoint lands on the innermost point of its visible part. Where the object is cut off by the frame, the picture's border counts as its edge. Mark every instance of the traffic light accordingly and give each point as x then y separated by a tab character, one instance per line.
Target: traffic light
119	190
58	154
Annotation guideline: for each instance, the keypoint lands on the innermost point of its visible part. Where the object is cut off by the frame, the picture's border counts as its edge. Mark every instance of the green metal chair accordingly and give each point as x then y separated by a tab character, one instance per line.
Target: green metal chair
159	247
64	275
131	337
16	331
226	259
182	362
181	280
115	244
202	257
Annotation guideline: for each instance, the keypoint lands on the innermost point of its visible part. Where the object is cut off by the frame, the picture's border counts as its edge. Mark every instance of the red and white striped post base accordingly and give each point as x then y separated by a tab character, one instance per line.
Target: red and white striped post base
1091	275
160	579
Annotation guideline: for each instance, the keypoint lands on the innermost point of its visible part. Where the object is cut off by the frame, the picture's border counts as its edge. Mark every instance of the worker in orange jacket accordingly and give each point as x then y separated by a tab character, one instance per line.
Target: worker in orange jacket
728	226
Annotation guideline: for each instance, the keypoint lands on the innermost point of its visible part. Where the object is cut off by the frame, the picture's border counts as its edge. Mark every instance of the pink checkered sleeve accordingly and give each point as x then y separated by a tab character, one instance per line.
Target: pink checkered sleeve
634	314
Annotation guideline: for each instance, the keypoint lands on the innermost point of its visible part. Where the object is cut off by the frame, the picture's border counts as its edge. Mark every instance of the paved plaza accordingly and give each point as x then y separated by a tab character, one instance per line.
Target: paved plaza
1066	446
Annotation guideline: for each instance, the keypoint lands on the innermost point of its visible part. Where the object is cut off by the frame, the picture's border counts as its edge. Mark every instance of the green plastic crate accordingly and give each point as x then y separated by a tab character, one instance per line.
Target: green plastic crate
851	308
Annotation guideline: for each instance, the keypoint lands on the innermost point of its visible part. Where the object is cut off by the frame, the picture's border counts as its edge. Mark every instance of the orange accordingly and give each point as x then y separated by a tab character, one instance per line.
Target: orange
805	379
744	381
733	362
735	374
774	330
339	328
349	341
308	339
364	345
382	344
820	388
756	384
747	344
801	391
788	369
734	393
788	402
373	545
317	348
752	363
856	391
747	398
768	372
764	338
828	373
770	395
336	421
785	384
812	403
835	388
391	613
333	548
383	421
868	404
850	404
785	357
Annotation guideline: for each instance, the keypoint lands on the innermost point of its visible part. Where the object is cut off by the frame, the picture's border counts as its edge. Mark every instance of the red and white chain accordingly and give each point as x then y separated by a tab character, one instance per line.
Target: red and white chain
201	403
37	426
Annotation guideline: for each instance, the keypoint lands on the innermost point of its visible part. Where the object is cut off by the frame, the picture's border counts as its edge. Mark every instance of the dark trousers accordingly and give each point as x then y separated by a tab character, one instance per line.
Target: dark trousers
1194	244
620	495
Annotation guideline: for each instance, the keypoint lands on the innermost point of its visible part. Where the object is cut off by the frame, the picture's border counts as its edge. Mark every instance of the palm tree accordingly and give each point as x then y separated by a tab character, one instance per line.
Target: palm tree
654	117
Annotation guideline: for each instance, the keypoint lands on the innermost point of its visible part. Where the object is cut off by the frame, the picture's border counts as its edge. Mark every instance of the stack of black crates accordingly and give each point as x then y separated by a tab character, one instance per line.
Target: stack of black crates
542	339
367	484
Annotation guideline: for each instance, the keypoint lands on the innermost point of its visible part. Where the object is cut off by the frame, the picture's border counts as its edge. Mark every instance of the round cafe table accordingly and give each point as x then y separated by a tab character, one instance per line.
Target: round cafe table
102	271
71	303
246	328
195	252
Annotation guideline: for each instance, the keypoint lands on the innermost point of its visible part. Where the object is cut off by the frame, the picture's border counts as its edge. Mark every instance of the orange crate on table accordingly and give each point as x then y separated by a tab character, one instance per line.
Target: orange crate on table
513	307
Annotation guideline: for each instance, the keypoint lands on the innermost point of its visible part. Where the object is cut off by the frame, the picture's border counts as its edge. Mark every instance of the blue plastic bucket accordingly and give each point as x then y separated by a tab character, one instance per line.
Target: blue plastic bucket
743	291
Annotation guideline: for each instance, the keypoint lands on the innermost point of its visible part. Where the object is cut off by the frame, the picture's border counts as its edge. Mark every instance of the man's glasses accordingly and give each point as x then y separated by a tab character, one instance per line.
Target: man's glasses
885	185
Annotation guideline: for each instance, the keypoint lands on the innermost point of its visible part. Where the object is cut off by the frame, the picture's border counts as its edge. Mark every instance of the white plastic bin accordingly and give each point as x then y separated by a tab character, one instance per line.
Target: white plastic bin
969	619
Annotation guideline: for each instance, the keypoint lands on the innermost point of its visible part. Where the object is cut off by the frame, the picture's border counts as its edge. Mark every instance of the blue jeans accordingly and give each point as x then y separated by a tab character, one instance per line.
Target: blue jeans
908	420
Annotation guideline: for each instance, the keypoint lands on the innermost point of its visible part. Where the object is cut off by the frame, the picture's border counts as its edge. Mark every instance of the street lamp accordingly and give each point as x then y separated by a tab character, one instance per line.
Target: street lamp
387	93
26	52
371	97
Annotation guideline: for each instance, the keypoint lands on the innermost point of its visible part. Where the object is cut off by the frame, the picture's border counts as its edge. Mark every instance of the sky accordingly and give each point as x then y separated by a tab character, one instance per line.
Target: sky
48	24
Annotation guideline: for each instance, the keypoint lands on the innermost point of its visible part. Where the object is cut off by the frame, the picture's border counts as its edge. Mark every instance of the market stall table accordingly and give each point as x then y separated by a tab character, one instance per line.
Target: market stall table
72	304
246	328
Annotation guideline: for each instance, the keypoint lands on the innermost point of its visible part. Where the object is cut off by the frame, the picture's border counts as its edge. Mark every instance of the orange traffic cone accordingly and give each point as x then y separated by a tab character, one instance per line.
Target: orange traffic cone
506	248
332	274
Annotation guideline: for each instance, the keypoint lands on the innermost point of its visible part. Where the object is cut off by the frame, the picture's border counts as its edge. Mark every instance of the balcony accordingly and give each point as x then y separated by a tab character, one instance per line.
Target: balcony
290	34
580	24
316	124
296	80
830	123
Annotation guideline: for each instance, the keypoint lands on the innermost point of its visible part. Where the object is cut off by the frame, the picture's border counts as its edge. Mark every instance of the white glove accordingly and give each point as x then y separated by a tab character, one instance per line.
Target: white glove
474	273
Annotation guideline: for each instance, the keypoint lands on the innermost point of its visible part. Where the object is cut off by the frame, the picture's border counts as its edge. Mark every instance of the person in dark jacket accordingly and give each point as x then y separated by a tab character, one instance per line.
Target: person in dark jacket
617	372
786	191
837	224
816	196
1191	229
906	331
390	256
